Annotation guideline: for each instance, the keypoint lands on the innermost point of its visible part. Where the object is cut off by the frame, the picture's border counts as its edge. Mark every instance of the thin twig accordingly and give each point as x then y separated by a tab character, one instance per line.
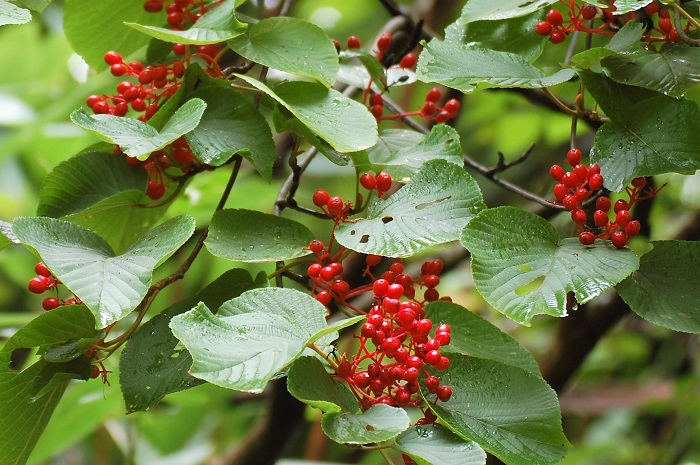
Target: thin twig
501	165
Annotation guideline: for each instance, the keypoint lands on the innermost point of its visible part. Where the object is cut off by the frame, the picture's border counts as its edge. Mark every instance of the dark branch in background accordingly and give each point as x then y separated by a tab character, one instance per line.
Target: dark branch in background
540	98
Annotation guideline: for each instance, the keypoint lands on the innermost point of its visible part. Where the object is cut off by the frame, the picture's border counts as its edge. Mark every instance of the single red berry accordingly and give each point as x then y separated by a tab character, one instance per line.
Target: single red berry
178	69
428	109
452	107
155	190
578	216
443	338
639	182
353	42
586	238
411	374
380	287
560	190
384	42
432	267
433	95
556	172
402	397
112	58
327	273
396	267
180	49
582	194
600	218
395	291
589	11
146	75
324	297
362	379
581	173
50	303
557	37
444	393
316	246
442	116
408	61
431	281
39	284
373	260
663	13
151	110
138	104
335	206
383	181
555	18
118	69
175	18
432	383
573	157
314	271
623	218
390	345
619	239
621	205
153	6
570	202
321	198
340	287
442	364
633	228
665	25
377	111
593	169
603	203
569	180
368	330
42	270
543	28
120	109
595	182
431	295
651	9
405	317
376	99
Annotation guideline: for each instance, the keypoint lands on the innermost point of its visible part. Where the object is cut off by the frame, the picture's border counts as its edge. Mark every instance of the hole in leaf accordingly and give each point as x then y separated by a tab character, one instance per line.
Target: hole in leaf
532	286
525	268
369	427
364	239
421	206
387	219
352	232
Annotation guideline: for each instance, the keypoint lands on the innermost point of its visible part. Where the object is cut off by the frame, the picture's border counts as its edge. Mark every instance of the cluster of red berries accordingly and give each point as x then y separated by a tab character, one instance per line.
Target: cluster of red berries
430	109
155	83
44	281
557	31
381	182
334	207
383	45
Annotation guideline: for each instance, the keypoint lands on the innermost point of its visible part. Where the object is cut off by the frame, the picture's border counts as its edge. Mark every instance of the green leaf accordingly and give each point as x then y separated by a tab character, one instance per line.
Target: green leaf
473	336
627	6
138	139
66	323
431	209
92	33
230	125
655	136
672	70
626	40
508	411
323	110
370	71
522	267
12	14
217	25
471	67
436	445
154	363
614	98
664	289
379	423
36	5
7	237
86	179
23	416
402	152
308	381
478	10
512	35
252	338
291	45
253	236
110	285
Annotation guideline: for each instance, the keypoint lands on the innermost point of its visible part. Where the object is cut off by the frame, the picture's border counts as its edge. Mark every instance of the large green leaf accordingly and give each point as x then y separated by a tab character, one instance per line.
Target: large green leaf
217	25
86	179
508	411
12	14
672	70
470	67
614	98
522	267
291	45
344	123
655	136
138	139
402	152
436	445
308	381
477	10
23	416
379	423
473	336
664	290
626	6
231	124
154	363
252	338
431	209
91	32
253	236
7	237
110	285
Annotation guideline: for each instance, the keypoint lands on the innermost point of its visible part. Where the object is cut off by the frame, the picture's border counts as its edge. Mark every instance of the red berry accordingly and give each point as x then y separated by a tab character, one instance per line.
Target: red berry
633	228
442	116
595	182
353	42
569	180
405	317
665	25
582	194
153	6
623	218
431	281
324	297
570	202
42	270
321	198
639	182
118	69
560	190
138	104
578	216
377	111
452	107
600	218
314	271
443	338
146	75
581	173
155	190
151	110
432	383
444	393
431	295
376	99
555	18
619	239
368	330
588	12
428	109
543	28
593	169
178	69
335	206
442	364
663	13
557	37
432	267
651	9
179	49
327	273
362	379
373	260
50	303
340	287
573	157
380	287
316	246
396	267
175	18
433	95
390	345
383	181
384	42
39	284
586	238
408	61
603	203
112	58
402	397
621	205
556	172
